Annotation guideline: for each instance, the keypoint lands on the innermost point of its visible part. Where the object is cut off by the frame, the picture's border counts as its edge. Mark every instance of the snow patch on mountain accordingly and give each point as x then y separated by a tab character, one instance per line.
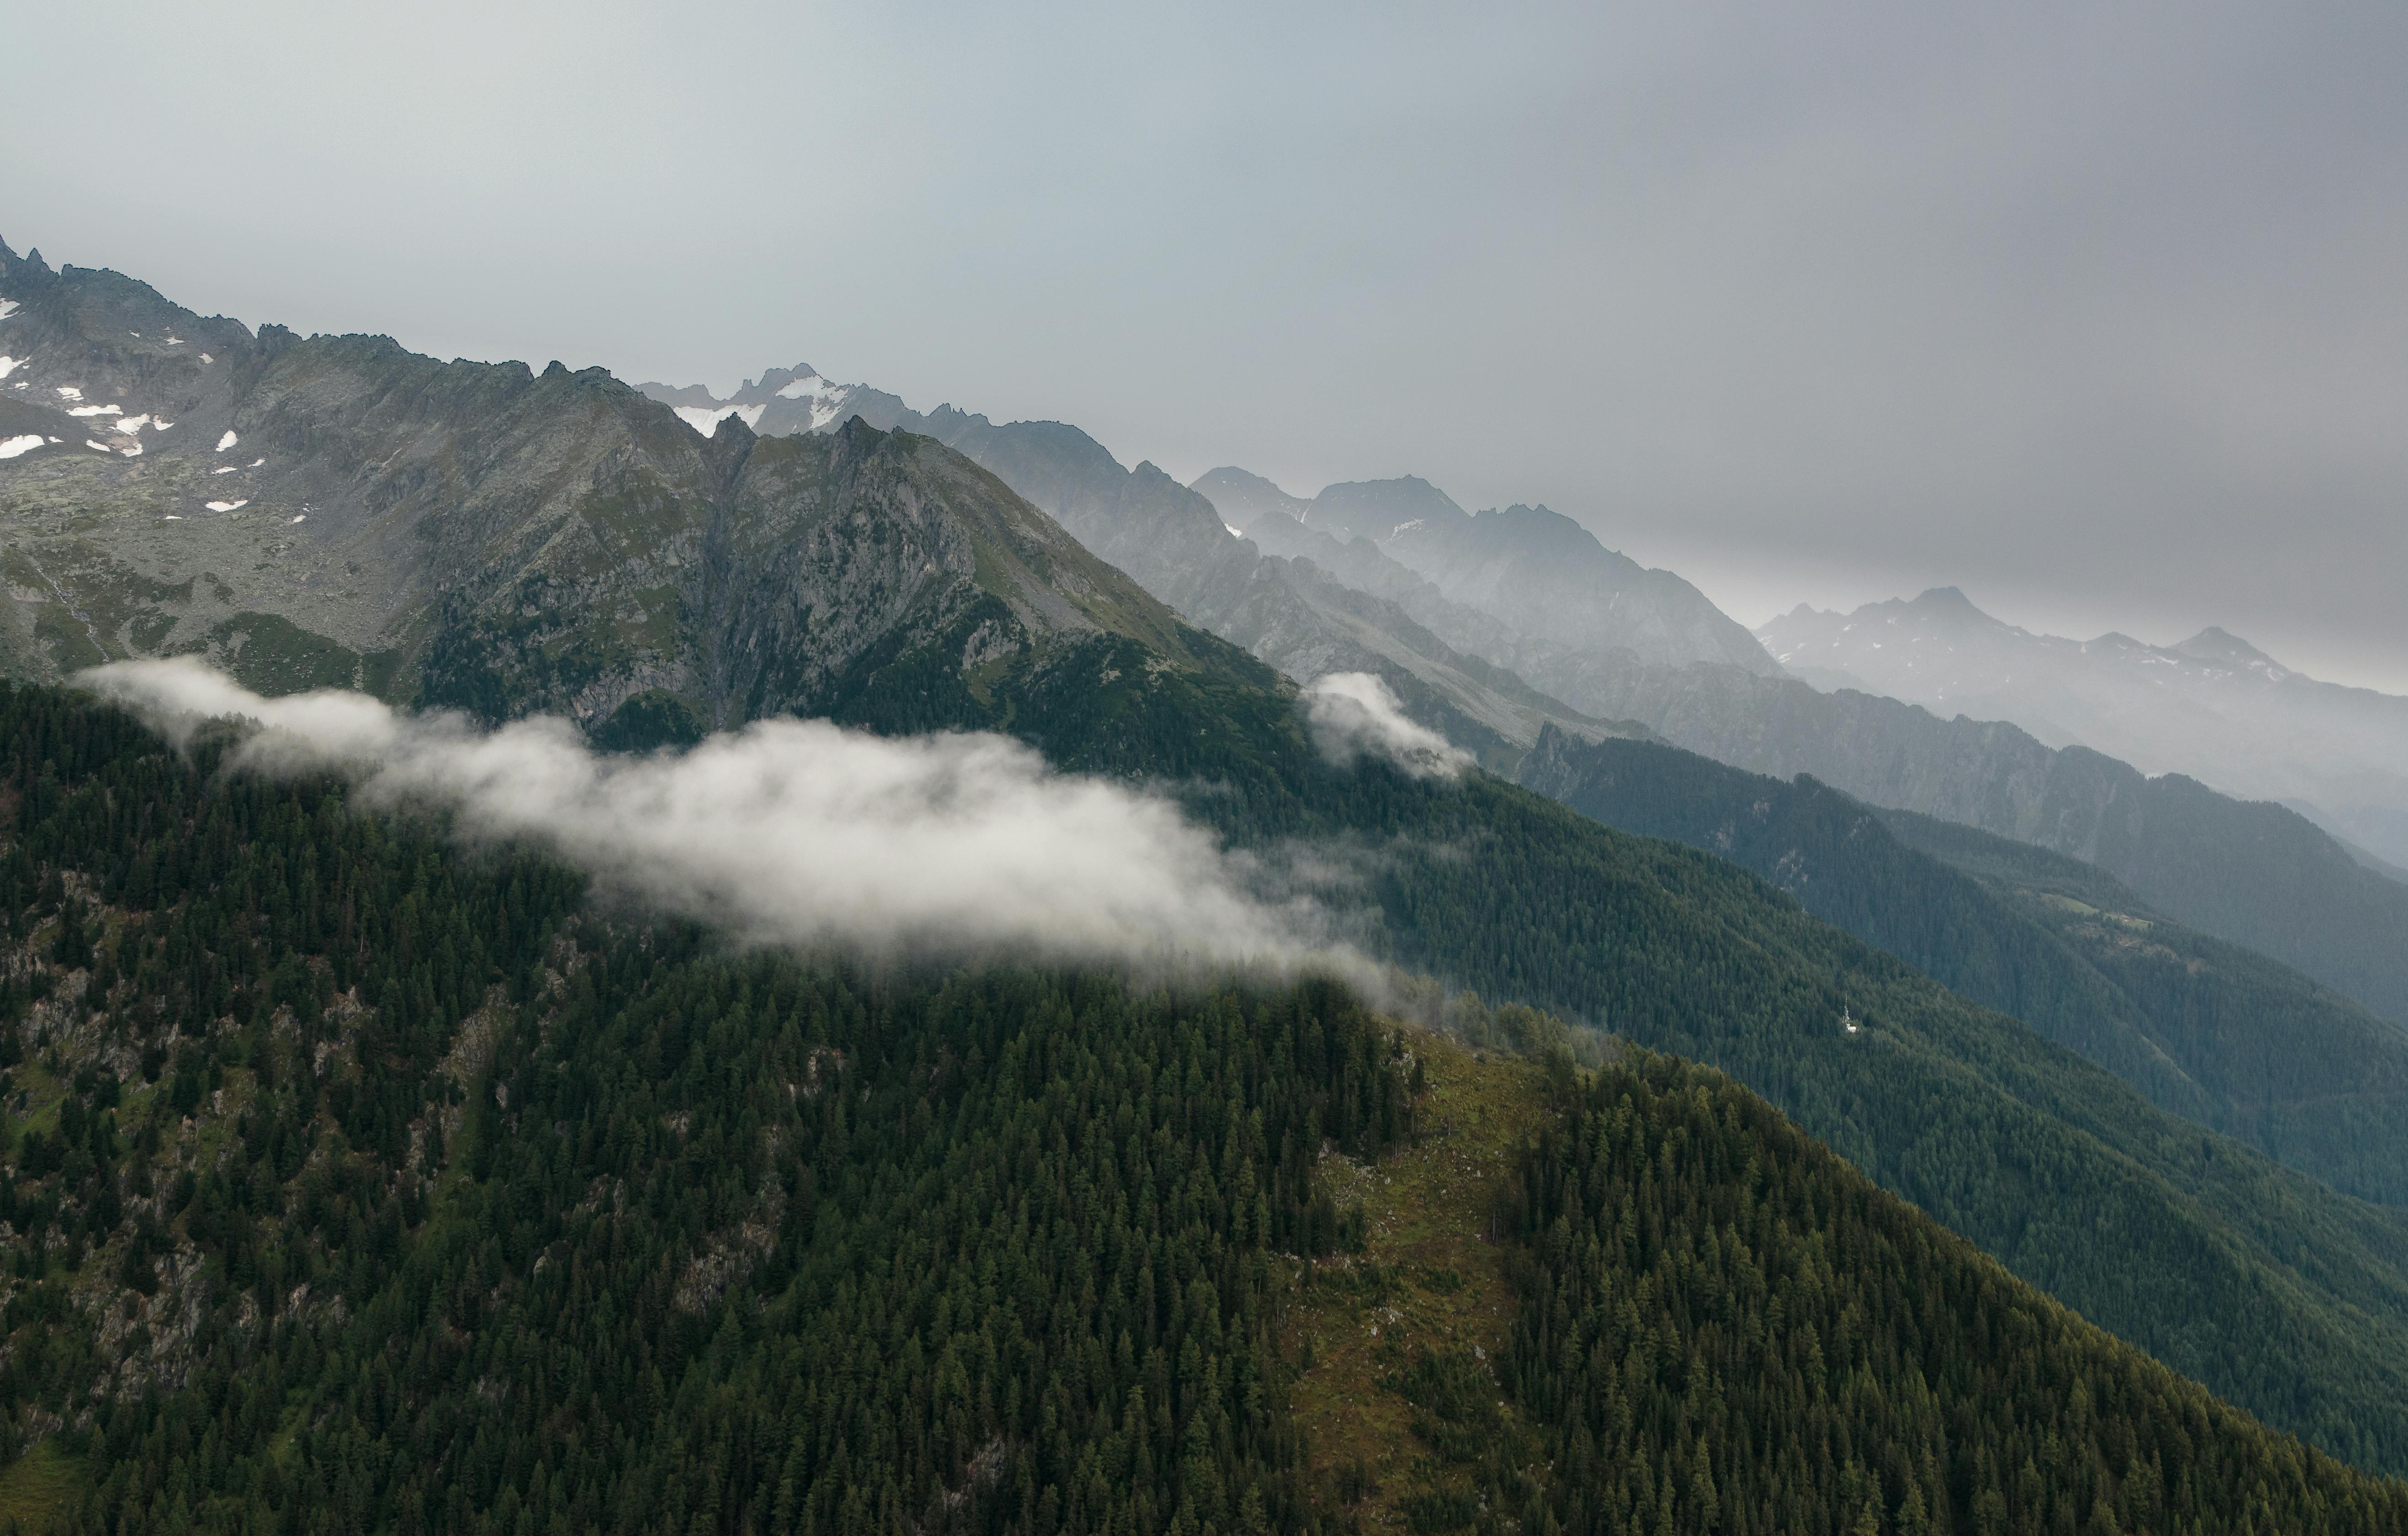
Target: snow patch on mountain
826	399
706	418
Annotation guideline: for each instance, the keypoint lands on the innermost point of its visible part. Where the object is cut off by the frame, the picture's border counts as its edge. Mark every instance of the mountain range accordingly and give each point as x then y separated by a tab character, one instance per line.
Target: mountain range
1524	566
505	542
336	511
1469	617
1171	540
2213	706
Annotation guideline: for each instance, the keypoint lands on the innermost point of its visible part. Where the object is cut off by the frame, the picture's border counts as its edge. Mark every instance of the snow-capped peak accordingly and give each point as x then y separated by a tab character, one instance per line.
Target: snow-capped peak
706	418
826	399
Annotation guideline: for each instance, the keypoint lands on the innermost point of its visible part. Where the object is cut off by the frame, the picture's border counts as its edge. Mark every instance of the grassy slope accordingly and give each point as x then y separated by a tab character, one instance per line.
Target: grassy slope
1433	1287
1428	1279
39	1487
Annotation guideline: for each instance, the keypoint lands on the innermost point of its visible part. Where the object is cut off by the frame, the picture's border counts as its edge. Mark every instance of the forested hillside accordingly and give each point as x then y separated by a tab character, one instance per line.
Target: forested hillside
2264	1285
2250	872
2205	1029
511	543
2277	1292
1732	1330
355	1182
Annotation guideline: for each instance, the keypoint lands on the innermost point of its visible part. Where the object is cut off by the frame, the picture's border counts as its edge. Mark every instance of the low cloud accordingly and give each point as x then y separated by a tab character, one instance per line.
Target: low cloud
1353	714
792	831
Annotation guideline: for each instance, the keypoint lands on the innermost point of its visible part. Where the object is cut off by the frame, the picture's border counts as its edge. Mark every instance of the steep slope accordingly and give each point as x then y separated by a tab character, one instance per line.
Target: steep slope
2207	1031
566	1224
2271	1287
2267	879
1178	548
468	1208
2120	933
2213	706
1175	544
485	537
2251	874
2273	1290
2261	879
1568	671
1677	1209
1534	570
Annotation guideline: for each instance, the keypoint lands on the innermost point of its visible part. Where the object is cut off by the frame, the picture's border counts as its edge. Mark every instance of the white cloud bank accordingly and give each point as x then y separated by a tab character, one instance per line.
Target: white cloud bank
1355	713
790	832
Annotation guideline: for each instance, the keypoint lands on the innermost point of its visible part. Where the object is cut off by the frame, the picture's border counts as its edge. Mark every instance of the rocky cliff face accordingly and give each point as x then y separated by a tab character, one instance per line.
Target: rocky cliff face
338	511
1177	545
1288	612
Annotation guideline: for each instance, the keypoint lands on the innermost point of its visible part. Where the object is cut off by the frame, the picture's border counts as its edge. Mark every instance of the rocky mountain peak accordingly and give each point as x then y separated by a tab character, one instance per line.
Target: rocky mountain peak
2220	646
1240	496
1378	509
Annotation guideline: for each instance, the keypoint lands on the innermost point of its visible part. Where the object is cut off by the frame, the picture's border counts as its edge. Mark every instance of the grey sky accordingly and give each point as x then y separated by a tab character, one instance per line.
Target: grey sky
2096	311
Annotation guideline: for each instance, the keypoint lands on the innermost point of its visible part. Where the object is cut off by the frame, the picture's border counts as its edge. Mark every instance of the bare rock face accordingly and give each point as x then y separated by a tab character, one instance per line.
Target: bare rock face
338	511
1183	550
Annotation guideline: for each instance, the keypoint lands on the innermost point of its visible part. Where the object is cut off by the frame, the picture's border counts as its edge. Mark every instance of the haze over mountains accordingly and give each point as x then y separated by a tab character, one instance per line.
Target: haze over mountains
416	572
1393	576
1536	568
2211	706
647	572
1292	615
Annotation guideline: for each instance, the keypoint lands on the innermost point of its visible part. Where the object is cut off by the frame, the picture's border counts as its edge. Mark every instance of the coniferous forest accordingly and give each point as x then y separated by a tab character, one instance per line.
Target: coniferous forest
358	1182
1732	1330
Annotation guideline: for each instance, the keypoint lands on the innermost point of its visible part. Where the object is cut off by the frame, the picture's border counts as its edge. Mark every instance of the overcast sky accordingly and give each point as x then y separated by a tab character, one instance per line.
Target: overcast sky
2100	312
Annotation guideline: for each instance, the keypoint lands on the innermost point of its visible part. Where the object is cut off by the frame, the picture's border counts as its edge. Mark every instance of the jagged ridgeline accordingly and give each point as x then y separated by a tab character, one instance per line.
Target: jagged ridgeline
355	1180
338	511
512	541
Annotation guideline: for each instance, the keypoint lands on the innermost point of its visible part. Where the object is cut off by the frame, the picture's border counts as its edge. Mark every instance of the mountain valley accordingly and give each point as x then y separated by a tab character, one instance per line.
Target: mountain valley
2253	875
462	1199
411	1176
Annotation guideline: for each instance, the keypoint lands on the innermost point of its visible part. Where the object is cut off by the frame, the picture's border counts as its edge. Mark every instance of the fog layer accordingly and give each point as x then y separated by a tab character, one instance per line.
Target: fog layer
788	832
